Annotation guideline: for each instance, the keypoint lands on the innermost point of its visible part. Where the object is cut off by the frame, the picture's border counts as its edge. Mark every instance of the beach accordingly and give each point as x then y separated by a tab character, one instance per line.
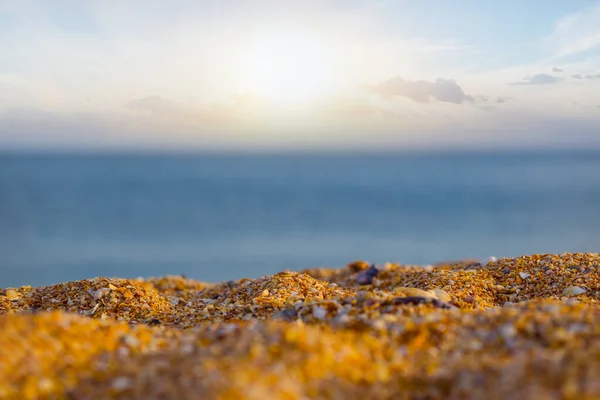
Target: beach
519	328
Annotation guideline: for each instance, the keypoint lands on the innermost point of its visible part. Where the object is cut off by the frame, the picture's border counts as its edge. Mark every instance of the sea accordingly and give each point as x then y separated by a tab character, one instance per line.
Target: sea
217	217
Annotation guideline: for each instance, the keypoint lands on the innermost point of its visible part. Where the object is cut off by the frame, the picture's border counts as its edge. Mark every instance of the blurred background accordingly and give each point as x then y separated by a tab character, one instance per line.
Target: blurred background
223	140
214	218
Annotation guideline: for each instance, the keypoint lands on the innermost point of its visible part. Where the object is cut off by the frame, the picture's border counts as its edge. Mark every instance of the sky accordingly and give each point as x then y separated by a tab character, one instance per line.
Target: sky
274	75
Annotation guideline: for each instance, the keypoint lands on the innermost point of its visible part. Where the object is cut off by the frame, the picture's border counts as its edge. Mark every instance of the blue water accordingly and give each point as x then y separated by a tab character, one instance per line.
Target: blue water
213	218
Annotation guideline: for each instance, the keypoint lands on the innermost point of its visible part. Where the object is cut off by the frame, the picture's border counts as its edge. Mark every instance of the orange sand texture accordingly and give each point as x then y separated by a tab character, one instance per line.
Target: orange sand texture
516	328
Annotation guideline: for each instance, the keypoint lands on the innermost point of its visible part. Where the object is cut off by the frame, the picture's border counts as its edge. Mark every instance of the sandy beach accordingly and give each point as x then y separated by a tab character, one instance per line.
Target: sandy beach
515	328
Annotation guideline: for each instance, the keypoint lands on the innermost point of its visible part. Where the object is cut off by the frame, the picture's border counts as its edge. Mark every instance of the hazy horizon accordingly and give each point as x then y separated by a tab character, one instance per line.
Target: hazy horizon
268	76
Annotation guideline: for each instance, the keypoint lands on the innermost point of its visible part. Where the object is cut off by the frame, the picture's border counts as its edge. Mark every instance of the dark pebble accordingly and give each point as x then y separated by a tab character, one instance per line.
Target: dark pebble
474	266
370	303
366	276
416	300
289	314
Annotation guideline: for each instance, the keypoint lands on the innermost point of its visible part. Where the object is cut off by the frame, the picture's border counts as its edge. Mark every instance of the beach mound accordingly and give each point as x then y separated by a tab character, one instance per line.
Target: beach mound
518	328
472	285
120	299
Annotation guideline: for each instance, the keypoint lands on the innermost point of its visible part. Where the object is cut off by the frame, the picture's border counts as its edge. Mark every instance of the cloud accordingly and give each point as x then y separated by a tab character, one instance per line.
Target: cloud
554	69
360	121
577	33
488	99
537	79
589	77
443	90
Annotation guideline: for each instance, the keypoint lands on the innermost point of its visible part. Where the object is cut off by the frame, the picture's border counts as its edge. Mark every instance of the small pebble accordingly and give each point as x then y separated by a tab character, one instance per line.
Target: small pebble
100	293
442	295
413	300
319	313
488	260
121	383
573	291
507	331
469	299
12	294
365	277
414	292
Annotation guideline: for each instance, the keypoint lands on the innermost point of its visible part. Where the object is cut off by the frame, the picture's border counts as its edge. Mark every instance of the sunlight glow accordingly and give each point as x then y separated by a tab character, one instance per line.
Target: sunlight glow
292	68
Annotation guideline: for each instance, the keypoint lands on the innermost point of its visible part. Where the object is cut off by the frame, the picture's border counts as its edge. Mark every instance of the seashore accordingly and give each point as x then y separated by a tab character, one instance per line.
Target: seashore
518	328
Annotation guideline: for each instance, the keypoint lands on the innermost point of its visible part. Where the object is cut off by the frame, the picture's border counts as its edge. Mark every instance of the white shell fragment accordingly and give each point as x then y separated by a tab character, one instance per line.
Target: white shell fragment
319	313
441	294
488	260
573	291
100	293
121	383
507	331
524	275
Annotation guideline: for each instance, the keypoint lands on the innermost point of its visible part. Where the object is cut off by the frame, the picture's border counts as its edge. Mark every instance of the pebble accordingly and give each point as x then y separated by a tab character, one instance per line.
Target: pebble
45	385
100	293
413	300
365	277
414	292
379	324
488	260
442	295
286	315
121	383
319	313
12	294
573	291
507	331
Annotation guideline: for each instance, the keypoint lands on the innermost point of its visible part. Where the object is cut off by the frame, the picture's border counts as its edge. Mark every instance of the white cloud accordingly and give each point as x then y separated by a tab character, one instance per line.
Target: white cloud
538	79
577	33
444	90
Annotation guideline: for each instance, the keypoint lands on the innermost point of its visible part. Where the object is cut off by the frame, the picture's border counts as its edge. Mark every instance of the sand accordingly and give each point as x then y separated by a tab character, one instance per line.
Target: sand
515	328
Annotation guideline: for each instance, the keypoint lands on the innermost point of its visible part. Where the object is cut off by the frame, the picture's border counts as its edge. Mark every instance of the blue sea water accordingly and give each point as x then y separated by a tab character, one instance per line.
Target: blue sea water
220	217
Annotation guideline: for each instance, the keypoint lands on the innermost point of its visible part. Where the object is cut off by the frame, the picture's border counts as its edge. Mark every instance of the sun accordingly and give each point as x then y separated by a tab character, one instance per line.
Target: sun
288	68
